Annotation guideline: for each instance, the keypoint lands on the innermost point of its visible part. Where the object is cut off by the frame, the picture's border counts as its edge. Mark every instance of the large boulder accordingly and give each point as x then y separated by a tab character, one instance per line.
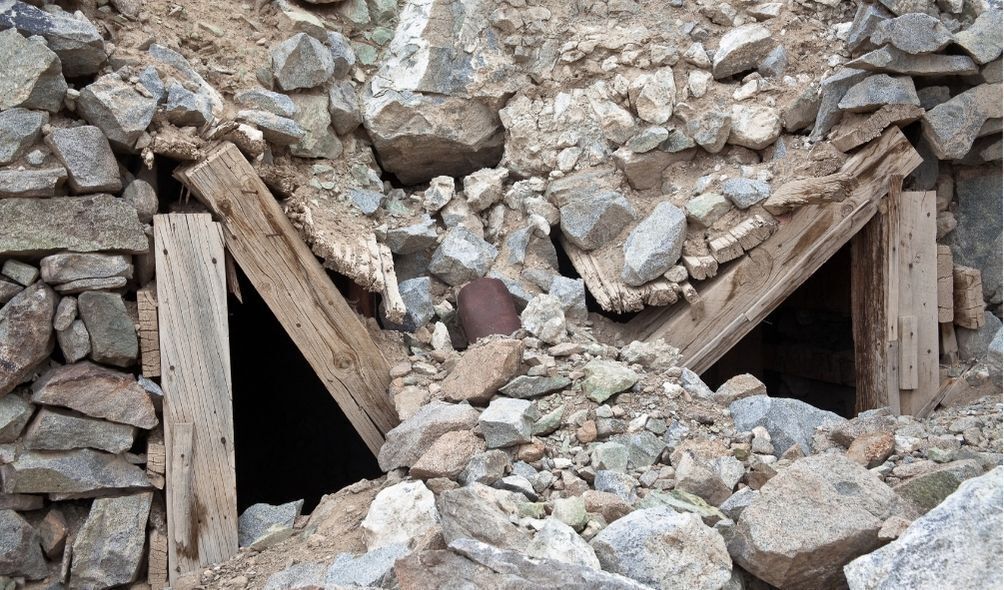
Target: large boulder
109	547
26	337
664	549
788	421
956	545
432	107
811	519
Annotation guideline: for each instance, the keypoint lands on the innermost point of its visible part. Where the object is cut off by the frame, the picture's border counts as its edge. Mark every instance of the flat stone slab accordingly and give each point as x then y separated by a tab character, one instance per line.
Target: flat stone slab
56	430
97	392
94	223
81	471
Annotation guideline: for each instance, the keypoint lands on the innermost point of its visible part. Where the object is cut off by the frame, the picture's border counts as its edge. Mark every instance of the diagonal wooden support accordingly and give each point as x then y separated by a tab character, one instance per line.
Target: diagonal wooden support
742	295
296	288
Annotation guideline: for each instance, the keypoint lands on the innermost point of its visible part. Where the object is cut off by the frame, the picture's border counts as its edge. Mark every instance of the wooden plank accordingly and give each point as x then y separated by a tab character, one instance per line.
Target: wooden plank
740	297
156	457
892	258
297	290
908	353
946	285
149	338
198	409
917	300
968	303
156	562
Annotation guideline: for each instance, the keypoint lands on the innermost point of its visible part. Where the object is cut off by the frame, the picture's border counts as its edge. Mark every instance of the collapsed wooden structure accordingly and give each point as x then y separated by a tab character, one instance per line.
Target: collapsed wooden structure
901	291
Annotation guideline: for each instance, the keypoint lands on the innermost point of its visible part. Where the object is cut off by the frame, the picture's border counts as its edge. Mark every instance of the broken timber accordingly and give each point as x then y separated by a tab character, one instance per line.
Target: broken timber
198	405
296	288
742	295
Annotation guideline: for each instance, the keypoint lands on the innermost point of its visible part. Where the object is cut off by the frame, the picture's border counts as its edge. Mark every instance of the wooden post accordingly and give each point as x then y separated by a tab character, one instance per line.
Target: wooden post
297	290
744	294
198	409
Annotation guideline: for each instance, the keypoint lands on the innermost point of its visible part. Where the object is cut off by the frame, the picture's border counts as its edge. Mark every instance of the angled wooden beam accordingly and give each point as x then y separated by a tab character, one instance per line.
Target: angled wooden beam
746	291
198	401
296	288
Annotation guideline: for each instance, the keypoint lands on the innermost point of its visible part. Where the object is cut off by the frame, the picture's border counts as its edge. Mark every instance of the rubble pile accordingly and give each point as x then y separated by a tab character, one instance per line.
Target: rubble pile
649	144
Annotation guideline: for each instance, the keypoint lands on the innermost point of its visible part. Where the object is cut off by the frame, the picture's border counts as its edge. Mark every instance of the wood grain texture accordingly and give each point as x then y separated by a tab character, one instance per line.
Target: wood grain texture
156	562
198	408
297	290
908	352
742	295
149	338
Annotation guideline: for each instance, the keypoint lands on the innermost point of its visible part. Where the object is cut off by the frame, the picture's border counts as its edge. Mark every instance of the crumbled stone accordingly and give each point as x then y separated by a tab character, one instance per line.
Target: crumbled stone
410	439
982	40
544	317
606	378
880	89
591	220
754	126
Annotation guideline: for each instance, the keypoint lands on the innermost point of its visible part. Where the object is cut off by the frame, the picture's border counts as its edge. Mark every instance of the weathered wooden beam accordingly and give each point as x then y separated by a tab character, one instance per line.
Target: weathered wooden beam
297	290
946	285
968	302
198	408
742	295
149	337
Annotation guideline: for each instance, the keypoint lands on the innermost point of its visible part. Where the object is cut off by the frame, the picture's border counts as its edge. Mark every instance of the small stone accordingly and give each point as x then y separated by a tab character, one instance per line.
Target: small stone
707	208
558	541
20	129
88	159
343	106
301	62
281	131
591	220
745	192
109	547
891	60
31	183
878	90
801	112
410	439
462	257
866	21
342	55
448	456
698	82
55	430
26	337
606	378
872	449
66	312
647	139
31	75
741	49
19	272
113	333
184	107
927	490
832	90
484	188
142	196
526	387
477	512
76	40
485	468
117	109
653	95
367	201
260	521
74	341
754	126
774	65
544	317
259	99
739	387
318	142
507	422
697	477
367	570
482	370
52	533
20	553
400	515
15	412
97	392
654	245
440	192
710	130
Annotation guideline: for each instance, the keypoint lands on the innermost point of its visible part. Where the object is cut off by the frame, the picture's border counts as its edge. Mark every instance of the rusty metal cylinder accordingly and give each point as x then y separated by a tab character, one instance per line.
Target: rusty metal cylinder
486	307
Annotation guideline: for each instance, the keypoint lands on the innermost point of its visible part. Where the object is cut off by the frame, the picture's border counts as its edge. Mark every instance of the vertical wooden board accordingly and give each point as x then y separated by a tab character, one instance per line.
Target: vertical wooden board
946	289
149	339
198	409
908	353
297	290
156	563
918	296
869	306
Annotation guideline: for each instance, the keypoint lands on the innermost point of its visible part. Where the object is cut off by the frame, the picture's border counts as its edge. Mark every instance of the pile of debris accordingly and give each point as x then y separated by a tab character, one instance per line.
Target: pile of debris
420	146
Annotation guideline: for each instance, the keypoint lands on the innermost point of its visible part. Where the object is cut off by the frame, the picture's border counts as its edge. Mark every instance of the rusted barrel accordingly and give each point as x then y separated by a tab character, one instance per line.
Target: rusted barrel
486	307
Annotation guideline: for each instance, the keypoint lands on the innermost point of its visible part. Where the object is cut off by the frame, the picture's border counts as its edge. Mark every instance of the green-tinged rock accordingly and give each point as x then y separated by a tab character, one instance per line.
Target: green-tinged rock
527	386
607	378
682	502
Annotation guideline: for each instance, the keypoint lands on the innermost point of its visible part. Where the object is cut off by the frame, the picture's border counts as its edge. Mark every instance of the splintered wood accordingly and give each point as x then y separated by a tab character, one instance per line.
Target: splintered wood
297	290
742	295
968	297
860	130
198	408
809	191
610	292
149	339
742	238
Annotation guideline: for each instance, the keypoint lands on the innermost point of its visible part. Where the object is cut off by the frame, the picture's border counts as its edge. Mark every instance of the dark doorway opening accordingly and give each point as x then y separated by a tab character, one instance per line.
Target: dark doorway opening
292	440
805	347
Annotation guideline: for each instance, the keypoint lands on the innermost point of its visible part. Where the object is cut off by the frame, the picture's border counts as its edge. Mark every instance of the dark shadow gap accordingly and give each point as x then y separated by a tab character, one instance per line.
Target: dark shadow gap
567	269
292	440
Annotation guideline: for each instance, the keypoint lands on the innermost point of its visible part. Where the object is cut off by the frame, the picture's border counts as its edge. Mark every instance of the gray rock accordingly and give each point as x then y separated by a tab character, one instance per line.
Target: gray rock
20	552
695	476
614	482
774	65
142	196
647	139
507	422
951	127
88	158
754	126
259	99
913	33
956	545
19	272
558	541
76	41
66	312
644	448
108	549
117	108
278	130
982	40
343	106
927	490
745	192
832	91
401	514
801	112
410	439
19	130
56	430
15	412
260	521
665	549
83	224
31	75
371	569
572	295
462	257
839	507
301	62
485	468
735	504
894	61
183	71
342	55
707	208
973	344
367	201
80	471
300	575
866	20
473	512
711	129
26	337
788	421
417	296
150	79
185	107
113	333
877	90
31	183
606	378
654	245
74	341
995	362
976	241
610	455
544	317
590	220
97	392
8	290
526	386
312	116
741	49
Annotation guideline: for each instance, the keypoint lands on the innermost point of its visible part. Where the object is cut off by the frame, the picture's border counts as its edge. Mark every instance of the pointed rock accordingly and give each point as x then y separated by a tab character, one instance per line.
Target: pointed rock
410	439
98	392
